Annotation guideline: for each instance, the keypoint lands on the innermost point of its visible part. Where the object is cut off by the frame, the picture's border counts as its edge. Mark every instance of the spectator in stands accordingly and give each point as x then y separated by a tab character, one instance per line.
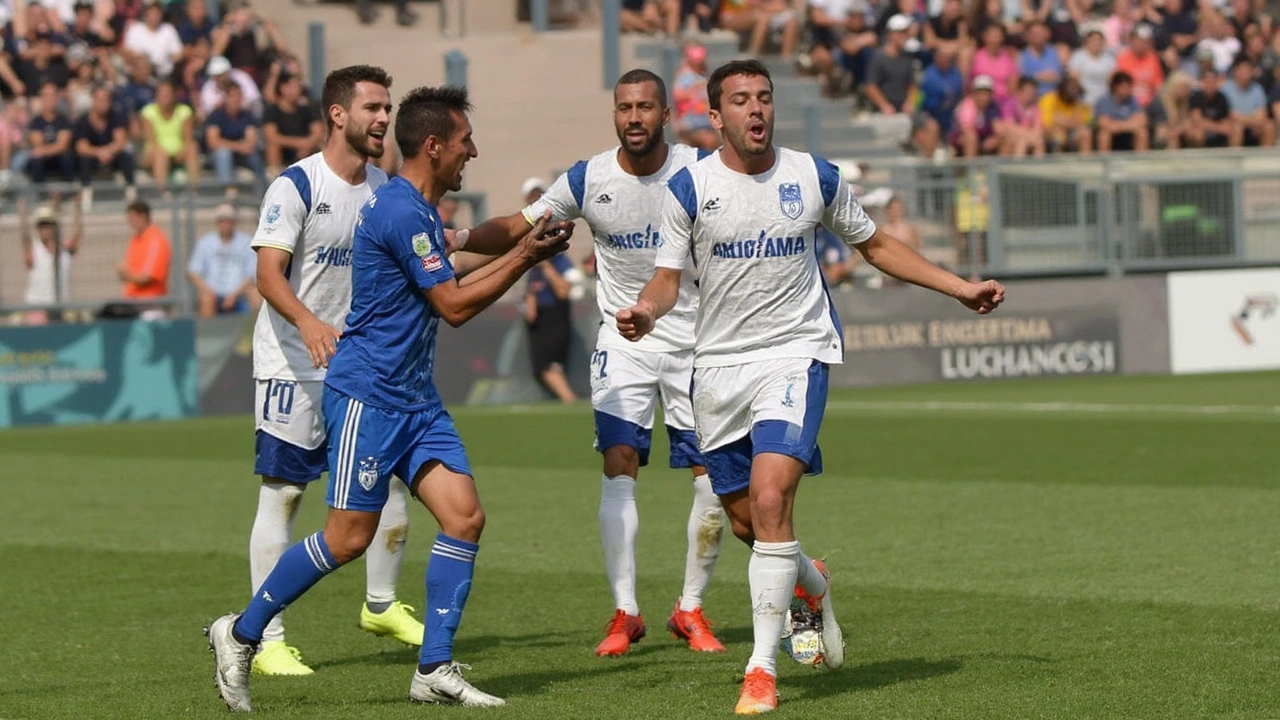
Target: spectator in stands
48	256
1273	97
405	16
694	14
642	16
153	39
49	135
1211	121
231	134
979	129
1062	19
842	45
1244	13
102	143
140	89
248	40
896	223
292	130
1249	106
948	30
756	19
145	270
1218	39
1122	123
995	59
13	131
982	15
891	80
222	77
835	258
693	122
169	132
1180	30
191	75
1067	119
1140	62
1265	59
1092	65
1039	60
195	24
44	66
87	29
79	91
1023	126
223	267
1170	112
941	89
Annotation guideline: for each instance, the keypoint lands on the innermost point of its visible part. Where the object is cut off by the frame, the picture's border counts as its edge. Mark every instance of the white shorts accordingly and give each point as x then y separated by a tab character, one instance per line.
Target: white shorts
626	385
290	423
768	406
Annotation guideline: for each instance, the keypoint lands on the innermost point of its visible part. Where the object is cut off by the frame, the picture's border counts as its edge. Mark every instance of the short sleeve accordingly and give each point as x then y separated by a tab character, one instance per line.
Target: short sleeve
415	240
563	198
843	215
679	210
199	259
284	211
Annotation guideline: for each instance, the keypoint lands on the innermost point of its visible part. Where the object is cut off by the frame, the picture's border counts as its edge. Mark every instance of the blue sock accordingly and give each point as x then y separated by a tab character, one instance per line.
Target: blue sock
449	574
300	567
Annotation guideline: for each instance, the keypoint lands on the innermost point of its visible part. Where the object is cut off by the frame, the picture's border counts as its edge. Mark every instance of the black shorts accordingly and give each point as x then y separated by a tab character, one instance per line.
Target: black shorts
549	338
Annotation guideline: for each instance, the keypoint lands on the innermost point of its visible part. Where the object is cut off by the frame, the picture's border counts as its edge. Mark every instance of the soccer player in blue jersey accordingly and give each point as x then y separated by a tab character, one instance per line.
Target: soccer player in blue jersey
382	412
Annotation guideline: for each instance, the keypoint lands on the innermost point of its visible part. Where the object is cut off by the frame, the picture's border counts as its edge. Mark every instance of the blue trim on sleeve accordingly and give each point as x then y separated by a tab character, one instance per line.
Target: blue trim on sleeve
681	185
303	184
578	181
703	154
828	180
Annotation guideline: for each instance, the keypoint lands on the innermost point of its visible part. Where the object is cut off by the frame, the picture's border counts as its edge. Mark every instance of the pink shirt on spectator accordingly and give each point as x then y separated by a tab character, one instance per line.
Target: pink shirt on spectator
1002	69
211	94
1027	117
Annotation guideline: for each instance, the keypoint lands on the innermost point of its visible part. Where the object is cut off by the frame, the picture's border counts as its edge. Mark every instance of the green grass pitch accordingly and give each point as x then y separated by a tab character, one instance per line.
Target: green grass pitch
1085	548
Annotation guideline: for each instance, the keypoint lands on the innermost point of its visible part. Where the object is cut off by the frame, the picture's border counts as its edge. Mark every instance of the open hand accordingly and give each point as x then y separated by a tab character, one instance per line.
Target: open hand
545	240
982	297
635	322
321	340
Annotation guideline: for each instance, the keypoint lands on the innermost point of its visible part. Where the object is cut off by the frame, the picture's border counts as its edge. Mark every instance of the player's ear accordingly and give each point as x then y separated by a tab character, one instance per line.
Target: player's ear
717	122
338	115
666	115
431	147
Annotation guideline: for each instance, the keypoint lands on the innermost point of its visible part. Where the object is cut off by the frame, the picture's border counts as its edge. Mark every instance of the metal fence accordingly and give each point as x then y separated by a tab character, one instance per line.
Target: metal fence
1073	215
91	283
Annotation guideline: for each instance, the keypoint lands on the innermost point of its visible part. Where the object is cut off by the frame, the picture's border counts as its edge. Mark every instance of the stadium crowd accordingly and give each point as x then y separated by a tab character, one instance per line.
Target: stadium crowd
1011	77
95	88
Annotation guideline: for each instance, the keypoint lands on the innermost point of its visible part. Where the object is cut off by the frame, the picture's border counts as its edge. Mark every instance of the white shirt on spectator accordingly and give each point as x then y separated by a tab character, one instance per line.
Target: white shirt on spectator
161	47
225	266
211	94
1224	51
43	287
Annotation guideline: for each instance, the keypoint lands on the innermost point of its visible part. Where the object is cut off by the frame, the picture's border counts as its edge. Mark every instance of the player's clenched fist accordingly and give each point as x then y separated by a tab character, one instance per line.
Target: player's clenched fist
982	297
321	340
635	322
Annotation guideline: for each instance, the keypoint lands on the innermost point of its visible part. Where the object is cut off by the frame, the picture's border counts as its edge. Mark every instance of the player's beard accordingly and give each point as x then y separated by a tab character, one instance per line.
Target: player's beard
358	139
650	144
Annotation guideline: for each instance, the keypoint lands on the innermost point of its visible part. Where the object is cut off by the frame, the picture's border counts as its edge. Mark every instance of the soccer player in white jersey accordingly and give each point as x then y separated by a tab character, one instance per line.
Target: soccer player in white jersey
619	193
766	333
304	274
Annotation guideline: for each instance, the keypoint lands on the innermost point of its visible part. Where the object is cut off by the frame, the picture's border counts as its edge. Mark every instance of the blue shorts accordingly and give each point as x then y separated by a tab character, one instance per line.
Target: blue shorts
772	406
276	458
370	444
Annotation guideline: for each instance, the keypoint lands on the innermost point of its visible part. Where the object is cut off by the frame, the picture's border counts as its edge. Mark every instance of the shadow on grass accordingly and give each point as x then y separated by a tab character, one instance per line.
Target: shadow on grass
465	647
868	676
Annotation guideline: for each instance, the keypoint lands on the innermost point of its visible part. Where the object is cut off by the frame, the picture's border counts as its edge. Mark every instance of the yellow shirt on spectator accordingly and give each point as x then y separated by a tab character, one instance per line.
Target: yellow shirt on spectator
1052	108
168	130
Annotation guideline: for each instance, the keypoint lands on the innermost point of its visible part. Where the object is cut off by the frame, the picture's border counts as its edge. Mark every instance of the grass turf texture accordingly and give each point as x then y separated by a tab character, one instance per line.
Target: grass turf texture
993	557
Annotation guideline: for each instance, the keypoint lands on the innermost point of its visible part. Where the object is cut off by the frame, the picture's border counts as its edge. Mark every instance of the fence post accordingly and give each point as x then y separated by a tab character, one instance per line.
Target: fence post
812	129
611	32
315	53
1237	219
539	15
455	68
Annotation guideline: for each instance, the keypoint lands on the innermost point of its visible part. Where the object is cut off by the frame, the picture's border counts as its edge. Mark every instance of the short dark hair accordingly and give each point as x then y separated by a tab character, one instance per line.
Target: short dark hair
140	207
1241	60
749	68
639	76
340	86
428	111
1120	78
1026	80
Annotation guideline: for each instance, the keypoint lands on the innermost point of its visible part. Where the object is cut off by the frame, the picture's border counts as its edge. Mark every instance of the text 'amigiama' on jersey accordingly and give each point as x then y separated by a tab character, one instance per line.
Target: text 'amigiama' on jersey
764	246
647	238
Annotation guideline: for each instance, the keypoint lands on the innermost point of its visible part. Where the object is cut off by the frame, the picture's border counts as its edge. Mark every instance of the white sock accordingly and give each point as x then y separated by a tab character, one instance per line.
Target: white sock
772	574
386	554
272	528
808	577
619	523
705	530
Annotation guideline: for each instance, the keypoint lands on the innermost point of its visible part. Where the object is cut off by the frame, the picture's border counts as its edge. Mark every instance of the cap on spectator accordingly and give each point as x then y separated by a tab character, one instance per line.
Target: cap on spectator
532	184
695	52
899	23
225	212
1204	53
1142	30
1094	29
46	216
83	5
984	82
217	66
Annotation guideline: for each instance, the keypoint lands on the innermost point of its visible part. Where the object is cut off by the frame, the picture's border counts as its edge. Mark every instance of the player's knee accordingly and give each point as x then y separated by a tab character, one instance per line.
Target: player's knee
768	506
465	526
742	530
621	460
347	546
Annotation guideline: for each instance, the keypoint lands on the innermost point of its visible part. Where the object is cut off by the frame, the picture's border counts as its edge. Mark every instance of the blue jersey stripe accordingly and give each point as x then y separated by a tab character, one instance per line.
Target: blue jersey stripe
828	180
578	181
681	185
303	184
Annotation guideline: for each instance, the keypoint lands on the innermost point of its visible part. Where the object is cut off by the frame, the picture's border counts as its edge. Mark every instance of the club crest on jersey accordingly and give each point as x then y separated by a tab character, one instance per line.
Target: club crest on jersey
422	244
790	200
273	214
368	473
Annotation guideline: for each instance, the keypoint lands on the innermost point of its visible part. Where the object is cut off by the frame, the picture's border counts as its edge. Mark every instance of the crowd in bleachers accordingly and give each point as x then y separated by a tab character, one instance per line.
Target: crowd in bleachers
1019	77
148	91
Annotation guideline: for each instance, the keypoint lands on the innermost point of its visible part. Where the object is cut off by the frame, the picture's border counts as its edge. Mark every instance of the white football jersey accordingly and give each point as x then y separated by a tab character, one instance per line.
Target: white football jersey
761	293
311	213
624	212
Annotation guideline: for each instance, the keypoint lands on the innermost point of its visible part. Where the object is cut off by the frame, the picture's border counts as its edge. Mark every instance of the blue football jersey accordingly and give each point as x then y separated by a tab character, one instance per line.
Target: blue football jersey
387	350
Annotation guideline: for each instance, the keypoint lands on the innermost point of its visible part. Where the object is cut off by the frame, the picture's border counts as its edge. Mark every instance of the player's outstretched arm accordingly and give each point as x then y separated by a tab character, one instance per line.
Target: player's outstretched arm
498	235
896	258
320	338
656	299
458	302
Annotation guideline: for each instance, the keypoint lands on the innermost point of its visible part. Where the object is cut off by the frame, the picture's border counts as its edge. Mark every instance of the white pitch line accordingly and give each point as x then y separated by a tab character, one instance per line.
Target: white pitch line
1058	407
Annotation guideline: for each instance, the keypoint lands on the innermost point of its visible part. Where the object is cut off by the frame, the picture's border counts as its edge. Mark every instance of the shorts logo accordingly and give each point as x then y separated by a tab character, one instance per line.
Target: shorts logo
432	263
422	244
787	400
790	200
368	476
